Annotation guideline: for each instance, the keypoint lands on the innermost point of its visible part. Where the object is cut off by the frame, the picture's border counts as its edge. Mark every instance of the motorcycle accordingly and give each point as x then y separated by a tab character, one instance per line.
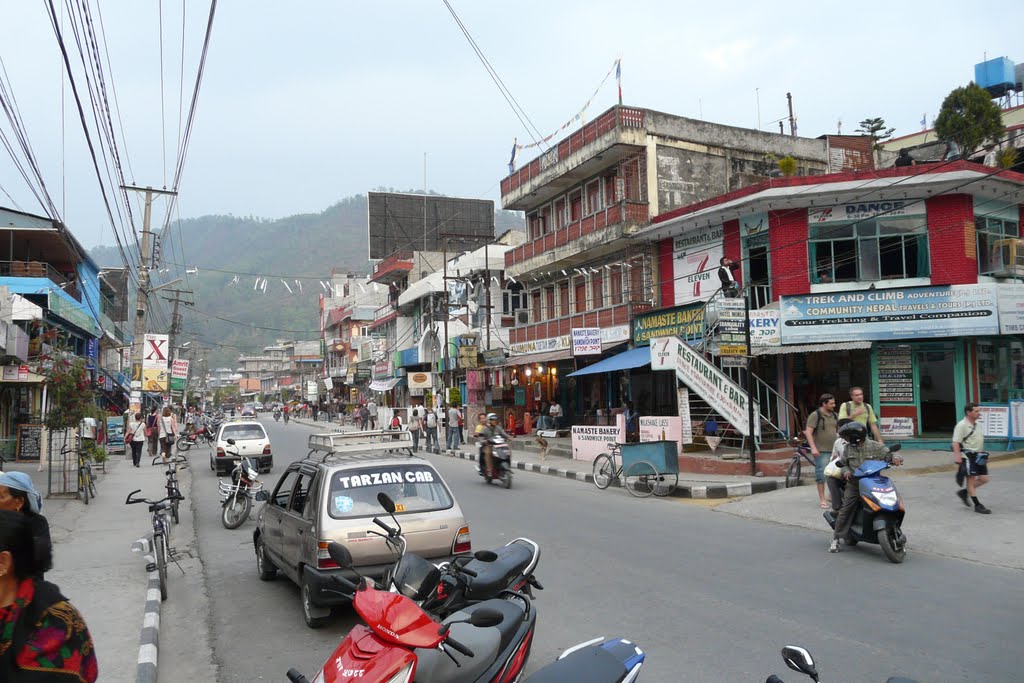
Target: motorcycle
879	516
501	462
277	416
449	587
237	497
799	659
200	436
287	416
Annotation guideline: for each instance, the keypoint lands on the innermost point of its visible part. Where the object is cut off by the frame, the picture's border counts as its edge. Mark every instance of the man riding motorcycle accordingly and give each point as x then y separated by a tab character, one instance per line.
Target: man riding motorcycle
490	430
858	450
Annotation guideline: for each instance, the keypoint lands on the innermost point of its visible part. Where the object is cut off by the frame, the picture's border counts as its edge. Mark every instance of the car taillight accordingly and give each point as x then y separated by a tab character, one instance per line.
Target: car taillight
220	453
266	449
323	558
462	543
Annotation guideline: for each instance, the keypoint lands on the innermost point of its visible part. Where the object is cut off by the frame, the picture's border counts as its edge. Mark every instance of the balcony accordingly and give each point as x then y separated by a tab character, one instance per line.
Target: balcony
610	137
393	268
603	317
580	241
42	270
385	314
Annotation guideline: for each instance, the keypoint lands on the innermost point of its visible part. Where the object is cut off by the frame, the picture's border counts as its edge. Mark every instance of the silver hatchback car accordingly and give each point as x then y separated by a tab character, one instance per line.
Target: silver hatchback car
332	496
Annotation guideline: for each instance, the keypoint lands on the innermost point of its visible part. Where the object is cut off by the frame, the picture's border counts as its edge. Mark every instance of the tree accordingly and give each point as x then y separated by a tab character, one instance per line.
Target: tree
788	166
875	129
969	118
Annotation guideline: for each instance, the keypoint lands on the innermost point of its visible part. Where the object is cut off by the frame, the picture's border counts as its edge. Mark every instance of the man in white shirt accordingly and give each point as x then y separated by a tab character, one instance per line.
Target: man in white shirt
371	408
454	416
556	414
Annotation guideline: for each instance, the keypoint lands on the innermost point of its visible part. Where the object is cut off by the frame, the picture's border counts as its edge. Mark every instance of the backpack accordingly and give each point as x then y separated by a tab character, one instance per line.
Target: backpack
431	420
849	407
396	423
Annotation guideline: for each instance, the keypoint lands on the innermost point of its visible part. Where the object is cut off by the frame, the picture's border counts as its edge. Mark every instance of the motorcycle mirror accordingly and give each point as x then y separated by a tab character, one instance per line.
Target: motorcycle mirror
799	659
895	447
386	502
486	618
485	555
340	554
231	442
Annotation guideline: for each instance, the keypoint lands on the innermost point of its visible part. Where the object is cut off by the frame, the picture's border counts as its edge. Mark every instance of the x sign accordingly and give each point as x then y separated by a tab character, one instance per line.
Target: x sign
156	349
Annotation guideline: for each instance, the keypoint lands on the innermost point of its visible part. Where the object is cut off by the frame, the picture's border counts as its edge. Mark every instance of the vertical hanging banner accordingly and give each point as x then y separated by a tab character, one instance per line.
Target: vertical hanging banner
154	362
179	374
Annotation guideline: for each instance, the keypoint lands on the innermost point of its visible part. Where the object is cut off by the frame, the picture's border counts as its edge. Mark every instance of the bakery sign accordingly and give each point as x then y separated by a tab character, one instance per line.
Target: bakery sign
421	380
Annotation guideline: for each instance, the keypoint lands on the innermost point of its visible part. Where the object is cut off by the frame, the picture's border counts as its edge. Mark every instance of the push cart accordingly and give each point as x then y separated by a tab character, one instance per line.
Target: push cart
647	467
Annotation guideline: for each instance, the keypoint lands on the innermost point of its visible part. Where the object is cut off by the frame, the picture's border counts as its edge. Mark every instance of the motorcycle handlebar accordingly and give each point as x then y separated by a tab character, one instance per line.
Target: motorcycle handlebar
296	677
458	647
345	583
385	527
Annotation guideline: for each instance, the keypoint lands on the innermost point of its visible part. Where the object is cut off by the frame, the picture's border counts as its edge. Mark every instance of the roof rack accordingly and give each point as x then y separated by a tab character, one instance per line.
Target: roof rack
343	443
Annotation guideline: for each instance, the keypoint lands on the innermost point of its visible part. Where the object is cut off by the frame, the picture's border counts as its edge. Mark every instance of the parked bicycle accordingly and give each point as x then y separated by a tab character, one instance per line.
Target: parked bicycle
173	491
801	452
641	478
162	552
86	482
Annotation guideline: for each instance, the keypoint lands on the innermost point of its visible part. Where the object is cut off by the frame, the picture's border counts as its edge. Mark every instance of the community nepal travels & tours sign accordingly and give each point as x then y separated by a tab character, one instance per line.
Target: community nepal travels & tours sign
951	311
695	259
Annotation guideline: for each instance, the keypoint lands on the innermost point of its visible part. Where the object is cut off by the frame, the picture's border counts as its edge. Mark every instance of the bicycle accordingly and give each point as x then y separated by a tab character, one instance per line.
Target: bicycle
161	537
173	491
641	478
802	452
86	482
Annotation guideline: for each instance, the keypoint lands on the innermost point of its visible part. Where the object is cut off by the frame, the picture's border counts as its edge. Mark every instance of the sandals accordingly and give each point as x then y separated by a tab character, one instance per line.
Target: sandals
824	506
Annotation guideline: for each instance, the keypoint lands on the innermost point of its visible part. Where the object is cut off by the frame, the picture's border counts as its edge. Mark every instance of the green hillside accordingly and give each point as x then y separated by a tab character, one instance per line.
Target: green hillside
233	253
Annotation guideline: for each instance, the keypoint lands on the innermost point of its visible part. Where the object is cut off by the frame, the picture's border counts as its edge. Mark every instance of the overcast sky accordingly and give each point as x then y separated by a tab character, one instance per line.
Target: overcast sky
304	103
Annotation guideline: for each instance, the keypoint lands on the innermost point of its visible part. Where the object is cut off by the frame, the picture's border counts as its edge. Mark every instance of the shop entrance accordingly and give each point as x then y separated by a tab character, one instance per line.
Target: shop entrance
936	376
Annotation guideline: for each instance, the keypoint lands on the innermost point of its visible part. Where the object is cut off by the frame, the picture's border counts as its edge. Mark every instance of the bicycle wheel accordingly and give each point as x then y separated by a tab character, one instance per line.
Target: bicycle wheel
640	478
174	506
92	483
604	471
83	485
160	550
666	483
793	473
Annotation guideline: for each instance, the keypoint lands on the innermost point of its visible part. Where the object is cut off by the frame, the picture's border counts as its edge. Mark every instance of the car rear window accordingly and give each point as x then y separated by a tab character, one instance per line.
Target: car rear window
243	432
414	488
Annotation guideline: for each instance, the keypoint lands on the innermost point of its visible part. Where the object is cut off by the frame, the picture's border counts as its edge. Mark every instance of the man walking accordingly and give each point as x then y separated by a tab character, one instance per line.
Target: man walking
371	409
430	430
969	454
857	410
822	426
454	418
364	417
414	428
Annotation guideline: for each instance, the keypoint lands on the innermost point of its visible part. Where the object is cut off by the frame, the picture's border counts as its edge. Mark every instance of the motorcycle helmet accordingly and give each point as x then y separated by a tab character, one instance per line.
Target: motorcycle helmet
492	416
853	433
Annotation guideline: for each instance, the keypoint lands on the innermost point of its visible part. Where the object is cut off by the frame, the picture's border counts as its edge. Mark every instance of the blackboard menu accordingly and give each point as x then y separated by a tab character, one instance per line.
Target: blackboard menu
895	373
30	443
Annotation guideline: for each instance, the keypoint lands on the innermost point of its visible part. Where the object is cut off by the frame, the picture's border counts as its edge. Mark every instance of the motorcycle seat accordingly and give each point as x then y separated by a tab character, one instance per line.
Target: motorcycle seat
435	666
492	577
594	664
510	610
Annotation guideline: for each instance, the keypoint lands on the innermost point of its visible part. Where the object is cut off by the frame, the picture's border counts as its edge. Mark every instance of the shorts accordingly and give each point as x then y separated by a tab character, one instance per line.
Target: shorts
975	468
819	466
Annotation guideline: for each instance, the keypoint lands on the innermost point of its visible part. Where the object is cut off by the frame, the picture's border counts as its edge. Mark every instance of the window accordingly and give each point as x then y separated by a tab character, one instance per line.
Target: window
284	489
301	494
581	295
989	233
535	307
243	432
609	190
549	300
593	197
534	221
513	298
559	214
615	286
545	220
596	292
869	249
563	294
576	206
414	488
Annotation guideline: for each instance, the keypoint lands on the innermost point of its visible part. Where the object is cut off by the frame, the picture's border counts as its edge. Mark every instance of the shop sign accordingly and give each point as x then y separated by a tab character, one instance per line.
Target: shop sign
1011	309
764	328
154	351
995	421
382	369
590	441
15	373
494	356
612	335
896	427
665	429
421	380
586	341
329	383
311	389
895	373
920	312
539	345
896	208
695	259
179	373
155	379
363	371
755	224
685	322
730	332
1017	418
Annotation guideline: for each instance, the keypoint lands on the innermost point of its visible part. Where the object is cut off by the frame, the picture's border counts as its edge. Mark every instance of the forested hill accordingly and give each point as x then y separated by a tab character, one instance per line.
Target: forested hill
236	315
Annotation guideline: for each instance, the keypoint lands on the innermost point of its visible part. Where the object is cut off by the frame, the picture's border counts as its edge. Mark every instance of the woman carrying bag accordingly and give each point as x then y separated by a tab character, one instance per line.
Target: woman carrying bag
168	433
136	437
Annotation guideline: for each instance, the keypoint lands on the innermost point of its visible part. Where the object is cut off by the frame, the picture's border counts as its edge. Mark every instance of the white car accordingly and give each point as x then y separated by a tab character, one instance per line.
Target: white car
251	441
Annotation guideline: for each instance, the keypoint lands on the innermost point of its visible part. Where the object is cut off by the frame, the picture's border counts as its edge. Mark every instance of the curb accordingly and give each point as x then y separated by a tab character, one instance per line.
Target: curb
682	491
149	639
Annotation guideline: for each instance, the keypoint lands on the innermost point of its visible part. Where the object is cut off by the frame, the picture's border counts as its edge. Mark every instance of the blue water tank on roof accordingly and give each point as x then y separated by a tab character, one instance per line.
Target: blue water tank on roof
995	74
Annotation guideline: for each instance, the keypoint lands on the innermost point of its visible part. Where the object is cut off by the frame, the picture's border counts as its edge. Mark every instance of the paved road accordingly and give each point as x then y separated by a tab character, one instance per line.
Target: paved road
710	597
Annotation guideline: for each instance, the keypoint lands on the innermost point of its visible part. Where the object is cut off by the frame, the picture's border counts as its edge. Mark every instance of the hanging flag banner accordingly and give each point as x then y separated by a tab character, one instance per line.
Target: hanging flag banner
695	258
179	373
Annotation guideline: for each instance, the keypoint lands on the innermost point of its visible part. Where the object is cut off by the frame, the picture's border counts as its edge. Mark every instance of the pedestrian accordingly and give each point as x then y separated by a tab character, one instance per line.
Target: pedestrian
859	411
971	458
364	417
414	428
44	637
430	429
821	432
371	409
454	420
316	411
152	431
168	432
555	411
726	269
632	423
135	436
858	449
18	494
396	424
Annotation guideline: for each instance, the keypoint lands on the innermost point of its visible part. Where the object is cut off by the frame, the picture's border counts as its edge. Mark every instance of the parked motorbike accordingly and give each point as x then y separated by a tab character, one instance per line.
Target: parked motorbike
200	436
879	516
237	497
501	462
799	659
449	587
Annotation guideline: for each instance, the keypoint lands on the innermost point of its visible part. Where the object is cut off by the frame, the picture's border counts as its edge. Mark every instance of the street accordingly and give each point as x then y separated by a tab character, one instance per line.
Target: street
709	597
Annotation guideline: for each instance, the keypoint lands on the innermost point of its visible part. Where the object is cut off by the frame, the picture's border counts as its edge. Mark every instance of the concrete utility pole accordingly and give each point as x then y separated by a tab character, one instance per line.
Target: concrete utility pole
143	293
176	316
792	119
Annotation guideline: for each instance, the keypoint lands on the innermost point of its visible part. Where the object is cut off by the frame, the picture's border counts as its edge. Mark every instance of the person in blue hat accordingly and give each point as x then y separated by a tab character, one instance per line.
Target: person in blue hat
18	494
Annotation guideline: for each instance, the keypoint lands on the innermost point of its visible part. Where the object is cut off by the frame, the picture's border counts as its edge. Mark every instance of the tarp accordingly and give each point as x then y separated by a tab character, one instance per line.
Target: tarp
634	358
385	384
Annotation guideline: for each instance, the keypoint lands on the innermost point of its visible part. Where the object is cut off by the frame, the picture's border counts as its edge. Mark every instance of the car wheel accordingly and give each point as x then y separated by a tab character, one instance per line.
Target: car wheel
314	616
264	566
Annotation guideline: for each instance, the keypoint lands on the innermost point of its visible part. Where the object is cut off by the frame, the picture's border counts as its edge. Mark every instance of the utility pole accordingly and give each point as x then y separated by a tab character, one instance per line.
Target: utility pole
487	297
143	293
176	316
792	119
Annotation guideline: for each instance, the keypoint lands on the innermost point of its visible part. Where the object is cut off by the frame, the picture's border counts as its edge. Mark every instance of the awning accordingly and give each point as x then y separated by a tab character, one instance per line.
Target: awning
810	348
634	358
385	384
541	357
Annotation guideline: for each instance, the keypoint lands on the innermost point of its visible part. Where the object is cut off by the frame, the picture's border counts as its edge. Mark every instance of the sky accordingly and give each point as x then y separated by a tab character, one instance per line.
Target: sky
303	104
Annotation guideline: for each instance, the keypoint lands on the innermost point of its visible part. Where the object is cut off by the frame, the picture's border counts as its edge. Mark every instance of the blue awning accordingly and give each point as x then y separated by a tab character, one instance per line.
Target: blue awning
634	358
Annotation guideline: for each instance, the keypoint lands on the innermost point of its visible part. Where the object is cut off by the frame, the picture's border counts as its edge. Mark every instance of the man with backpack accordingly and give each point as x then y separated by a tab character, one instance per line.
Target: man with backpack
821	433
430	422
414	428
859	411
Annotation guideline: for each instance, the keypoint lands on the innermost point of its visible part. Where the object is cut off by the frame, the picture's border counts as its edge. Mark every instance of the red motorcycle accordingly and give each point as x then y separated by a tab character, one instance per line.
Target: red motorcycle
190	439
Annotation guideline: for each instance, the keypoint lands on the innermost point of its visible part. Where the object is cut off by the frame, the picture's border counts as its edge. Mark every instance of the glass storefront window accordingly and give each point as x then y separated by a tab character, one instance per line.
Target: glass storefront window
1000	369
869	249
990	230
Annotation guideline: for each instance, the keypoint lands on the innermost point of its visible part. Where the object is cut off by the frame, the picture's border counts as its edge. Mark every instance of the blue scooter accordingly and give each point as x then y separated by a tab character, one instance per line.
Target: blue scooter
879	517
